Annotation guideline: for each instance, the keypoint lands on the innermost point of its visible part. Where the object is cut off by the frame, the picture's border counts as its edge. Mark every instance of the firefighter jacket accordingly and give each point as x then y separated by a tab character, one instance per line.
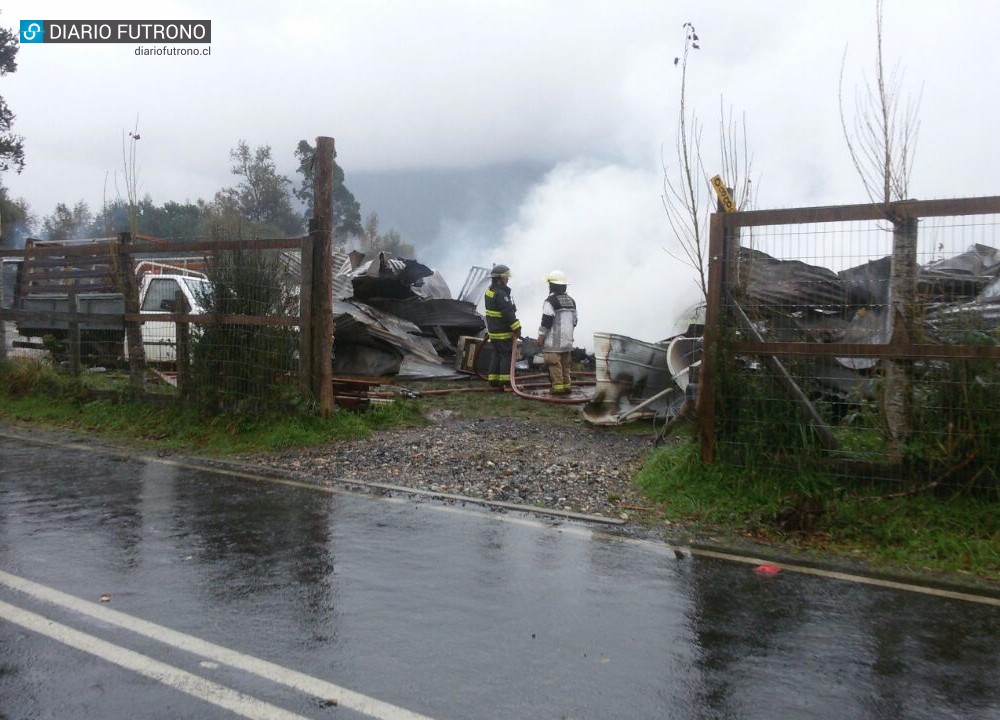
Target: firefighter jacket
501	313
558	320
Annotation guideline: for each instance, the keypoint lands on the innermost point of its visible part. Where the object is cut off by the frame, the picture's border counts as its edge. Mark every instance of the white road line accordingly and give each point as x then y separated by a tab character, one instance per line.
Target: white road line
315	687
237	702
850	577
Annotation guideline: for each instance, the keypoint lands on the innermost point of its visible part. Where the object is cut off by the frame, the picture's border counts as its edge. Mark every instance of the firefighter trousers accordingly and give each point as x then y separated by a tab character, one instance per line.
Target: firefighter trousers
499	372
558	365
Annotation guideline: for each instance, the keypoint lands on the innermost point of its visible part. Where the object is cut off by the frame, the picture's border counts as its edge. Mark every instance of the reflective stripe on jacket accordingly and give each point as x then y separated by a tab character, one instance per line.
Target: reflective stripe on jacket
501	313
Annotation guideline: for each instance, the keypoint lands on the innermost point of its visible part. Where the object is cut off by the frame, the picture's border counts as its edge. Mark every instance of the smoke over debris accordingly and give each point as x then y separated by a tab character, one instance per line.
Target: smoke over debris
604	226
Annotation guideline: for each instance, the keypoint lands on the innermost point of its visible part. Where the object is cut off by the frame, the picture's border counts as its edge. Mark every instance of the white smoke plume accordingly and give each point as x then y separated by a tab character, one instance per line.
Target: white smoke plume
604	226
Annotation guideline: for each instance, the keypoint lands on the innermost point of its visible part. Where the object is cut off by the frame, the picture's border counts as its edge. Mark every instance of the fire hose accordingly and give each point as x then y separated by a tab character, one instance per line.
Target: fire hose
543	398
519	389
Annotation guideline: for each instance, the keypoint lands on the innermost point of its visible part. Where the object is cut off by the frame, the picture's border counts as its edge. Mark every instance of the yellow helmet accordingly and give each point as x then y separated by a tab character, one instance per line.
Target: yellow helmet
557	277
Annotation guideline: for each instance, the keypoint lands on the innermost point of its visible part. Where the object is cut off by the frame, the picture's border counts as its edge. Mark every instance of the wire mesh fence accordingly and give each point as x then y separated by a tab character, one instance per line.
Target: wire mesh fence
246	354
249	323
217	320
857	342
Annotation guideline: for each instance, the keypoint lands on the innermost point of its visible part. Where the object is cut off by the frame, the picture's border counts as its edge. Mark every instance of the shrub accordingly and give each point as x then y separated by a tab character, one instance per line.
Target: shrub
246	368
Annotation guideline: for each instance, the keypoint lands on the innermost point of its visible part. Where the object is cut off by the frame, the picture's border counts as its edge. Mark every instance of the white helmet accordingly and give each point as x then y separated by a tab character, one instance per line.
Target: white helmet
557	277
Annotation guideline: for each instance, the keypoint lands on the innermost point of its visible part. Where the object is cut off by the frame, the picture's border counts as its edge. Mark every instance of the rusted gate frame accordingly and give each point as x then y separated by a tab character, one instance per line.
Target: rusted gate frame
722	227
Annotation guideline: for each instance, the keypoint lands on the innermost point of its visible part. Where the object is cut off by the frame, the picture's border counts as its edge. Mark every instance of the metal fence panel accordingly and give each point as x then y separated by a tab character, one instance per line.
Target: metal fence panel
827	349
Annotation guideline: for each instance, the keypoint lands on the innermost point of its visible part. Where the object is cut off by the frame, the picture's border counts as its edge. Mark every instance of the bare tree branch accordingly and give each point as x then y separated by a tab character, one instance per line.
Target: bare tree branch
881	137
687	189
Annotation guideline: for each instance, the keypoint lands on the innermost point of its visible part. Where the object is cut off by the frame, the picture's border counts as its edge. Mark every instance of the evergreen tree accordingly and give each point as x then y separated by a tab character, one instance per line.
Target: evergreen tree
11	145
261	196
245	366
178	220
16	221
374	241
171	220
67	223
346	209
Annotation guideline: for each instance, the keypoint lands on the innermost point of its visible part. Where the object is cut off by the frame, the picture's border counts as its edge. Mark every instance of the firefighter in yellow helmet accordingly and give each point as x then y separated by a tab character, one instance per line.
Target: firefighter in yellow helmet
555	335
502	325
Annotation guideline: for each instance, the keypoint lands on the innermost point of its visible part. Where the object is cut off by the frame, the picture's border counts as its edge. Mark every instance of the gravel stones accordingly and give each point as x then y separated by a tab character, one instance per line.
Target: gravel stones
570	467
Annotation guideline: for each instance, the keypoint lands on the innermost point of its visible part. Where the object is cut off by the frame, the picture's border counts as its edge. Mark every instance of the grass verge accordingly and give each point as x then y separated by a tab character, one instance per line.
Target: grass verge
33	393
941	531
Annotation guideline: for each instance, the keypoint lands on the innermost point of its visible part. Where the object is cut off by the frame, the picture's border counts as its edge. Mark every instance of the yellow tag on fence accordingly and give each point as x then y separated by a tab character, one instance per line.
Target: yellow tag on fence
723	192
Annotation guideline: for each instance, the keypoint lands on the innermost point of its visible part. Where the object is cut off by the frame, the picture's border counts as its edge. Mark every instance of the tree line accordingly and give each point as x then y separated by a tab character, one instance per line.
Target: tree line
262	202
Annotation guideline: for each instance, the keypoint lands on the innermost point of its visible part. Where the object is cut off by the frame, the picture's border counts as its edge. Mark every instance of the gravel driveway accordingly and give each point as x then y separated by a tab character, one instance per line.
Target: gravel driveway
562	466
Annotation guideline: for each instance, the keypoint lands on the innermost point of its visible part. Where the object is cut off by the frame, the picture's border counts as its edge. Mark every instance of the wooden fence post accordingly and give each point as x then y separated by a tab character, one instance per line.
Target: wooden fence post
182	350
305	316
73	336
897	392
133	329
322	275
3	321
723	268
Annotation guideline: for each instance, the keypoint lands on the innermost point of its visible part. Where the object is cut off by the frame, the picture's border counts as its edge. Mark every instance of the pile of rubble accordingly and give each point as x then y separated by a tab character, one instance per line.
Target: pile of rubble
792	301
395	316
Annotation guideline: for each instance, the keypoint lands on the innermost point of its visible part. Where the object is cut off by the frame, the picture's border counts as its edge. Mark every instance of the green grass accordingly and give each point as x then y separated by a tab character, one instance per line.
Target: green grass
35	394
922	531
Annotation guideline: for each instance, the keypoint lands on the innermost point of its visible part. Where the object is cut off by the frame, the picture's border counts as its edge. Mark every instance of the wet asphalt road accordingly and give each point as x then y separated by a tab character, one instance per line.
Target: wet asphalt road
225	597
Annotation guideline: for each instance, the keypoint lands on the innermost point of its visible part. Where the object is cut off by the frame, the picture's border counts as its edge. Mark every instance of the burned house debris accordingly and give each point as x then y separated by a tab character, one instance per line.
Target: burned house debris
395	316
793	301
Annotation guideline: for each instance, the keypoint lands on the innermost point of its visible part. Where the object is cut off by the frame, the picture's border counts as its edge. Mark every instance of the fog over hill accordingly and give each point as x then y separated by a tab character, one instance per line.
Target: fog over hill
448	212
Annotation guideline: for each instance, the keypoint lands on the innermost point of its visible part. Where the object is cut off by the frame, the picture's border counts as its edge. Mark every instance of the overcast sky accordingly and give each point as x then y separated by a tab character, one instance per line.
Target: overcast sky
587	88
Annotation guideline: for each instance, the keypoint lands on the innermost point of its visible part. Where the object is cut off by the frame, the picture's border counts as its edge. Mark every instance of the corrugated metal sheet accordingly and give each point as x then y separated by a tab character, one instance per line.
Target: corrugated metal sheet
368	341
429	312
475	285
629	372
768	284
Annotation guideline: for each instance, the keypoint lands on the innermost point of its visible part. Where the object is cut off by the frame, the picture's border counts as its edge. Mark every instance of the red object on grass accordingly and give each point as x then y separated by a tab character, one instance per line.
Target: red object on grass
767	569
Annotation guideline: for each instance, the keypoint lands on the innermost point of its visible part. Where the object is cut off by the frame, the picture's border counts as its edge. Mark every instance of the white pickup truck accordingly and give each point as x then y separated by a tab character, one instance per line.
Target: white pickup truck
157	294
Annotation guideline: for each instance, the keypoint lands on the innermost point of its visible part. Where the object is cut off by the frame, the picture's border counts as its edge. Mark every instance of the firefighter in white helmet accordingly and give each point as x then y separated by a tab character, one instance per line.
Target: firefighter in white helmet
555	334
